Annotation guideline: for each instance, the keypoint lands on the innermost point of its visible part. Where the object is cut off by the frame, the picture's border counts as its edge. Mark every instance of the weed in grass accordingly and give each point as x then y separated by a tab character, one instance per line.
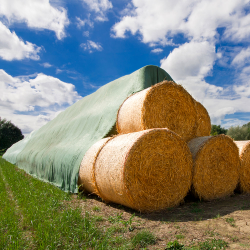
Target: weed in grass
234	239
98	218
143	239
115	219
174	245
96	208
217	216
231	221
196	210
210	233
116	229
179	236
212	244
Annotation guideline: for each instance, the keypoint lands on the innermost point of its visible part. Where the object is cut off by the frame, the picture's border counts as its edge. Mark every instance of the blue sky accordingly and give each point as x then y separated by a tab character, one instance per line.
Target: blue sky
53	53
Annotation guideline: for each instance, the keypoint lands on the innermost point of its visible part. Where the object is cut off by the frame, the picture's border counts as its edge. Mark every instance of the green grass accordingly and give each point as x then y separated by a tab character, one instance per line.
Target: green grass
231	221
143	239
213	244
47	218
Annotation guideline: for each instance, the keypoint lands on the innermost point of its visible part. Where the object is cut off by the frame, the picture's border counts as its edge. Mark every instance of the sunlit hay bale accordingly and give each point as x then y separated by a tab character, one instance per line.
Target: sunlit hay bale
147	170
203	120
164	105
216	166
244	152
86	178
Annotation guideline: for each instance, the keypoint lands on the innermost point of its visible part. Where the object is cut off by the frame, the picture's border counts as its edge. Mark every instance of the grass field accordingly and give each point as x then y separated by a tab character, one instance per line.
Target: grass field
37	215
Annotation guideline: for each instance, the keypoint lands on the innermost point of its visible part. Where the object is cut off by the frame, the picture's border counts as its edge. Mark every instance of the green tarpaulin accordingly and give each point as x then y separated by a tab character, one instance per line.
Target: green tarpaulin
54	152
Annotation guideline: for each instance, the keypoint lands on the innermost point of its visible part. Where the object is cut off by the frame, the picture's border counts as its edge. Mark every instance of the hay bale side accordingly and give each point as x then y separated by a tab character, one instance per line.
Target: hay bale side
203	120
86	178
147	170
164	105
216	166
244	152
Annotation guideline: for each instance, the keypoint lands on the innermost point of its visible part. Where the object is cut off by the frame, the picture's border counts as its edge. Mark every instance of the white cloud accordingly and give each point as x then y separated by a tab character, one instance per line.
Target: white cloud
39	14
189	60
157	50
46	65
242	58
81	23
13	48
100	7
159	21
31	103
91	46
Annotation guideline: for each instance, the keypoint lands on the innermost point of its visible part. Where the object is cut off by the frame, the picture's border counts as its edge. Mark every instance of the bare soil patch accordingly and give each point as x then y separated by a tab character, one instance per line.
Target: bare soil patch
192	222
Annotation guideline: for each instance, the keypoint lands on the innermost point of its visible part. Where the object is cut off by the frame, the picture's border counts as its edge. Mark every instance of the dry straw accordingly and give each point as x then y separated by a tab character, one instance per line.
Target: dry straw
86	178
203	120
147	170
164	105
244	152
216	166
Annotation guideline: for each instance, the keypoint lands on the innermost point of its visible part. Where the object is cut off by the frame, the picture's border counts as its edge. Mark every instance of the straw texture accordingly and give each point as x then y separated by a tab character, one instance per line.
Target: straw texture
244	152
164	105
216	166
203	120
86	179
147	170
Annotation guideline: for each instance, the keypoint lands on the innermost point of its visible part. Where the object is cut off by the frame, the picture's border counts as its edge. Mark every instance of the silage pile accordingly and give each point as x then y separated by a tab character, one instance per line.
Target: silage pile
149	165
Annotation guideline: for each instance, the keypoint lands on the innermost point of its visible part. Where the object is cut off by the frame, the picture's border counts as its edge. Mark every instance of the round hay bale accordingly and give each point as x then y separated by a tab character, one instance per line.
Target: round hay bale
203	120
147	170
86	178
164	105
244	152
216	166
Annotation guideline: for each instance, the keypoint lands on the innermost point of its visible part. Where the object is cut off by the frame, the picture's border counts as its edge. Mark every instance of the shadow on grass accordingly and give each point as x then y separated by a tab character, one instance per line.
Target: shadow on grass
192	209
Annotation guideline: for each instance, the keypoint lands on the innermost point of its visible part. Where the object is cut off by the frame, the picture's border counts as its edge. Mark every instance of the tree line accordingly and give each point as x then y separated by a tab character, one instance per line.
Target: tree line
238	133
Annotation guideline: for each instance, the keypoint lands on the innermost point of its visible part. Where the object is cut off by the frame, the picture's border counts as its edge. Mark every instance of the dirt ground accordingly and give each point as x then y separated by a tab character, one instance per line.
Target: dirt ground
192	222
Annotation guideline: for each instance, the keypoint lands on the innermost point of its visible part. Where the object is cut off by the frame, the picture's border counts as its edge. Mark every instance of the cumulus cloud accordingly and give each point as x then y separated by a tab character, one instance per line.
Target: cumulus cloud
31	103
190	59
90	46
14	48
38	14
158	21
100	7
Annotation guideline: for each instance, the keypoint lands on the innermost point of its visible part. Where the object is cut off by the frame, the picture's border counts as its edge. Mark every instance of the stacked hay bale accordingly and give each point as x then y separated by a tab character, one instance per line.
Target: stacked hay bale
148	166
244	153
147	170
216	166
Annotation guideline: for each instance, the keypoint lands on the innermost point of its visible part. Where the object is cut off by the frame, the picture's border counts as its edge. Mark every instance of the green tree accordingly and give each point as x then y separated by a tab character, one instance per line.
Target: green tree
217	130
239	133
9	134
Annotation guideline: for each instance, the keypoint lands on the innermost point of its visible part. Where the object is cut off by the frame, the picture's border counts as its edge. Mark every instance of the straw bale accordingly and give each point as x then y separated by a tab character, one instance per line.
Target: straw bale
216	166
147	170
203	120
86	178
244	152
164	105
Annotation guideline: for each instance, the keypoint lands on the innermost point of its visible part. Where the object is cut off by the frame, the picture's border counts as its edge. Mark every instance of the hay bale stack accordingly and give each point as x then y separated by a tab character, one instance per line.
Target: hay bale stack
216	166
203	120
164	105
147	170
86	178
244	152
